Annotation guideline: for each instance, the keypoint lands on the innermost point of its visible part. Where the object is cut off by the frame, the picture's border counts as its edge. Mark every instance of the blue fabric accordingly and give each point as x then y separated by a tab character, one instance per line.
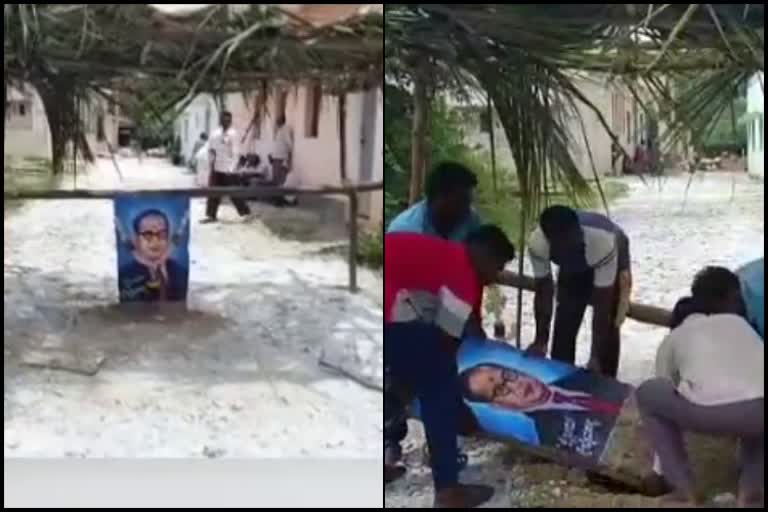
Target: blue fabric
416	220
414	356
752	285
597	220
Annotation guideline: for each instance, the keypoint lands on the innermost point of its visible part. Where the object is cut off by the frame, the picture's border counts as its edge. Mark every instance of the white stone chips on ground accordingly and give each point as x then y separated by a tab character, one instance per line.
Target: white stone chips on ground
237	377
721	223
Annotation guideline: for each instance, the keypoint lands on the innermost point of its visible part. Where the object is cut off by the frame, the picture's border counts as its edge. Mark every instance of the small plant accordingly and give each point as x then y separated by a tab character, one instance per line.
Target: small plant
370	251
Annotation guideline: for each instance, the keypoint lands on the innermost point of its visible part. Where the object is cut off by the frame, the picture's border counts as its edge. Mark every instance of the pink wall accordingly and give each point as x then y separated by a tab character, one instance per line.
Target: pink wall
317	159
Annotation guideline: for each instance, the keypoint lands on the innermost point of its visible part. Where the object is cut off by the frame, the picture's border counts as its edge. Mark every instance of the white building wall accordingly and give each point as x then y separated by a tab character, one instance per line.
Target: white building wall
26	136
29	136
316	160
618	108
599	143
756	126
201	115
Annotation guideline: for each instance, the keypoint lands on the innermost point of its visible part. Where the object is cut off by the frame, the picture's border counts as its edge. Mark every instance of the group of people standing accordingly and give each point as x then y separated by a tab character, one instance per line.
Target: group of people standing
438	258
224	162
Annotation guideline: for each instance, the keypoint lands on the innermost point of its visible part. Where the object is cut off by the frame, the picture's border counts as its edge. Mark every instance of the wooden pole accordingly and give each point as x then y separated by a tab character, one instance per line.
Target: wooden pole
353	241
492	138
520	263
76	140
352	195
255	192
641	312
418	138
343	138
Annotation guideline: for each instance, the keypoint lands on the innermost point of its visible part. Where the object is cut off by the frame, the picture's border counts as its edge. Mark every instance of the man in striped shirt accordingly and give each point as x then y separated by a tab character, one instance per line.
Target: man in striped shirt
592	254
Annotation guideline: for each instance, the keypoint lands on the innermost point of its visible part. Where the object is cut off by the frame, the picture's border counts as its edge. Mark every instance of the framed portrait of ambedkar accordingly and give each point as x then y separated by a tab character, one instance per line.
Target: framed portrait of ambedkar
539	402
152	235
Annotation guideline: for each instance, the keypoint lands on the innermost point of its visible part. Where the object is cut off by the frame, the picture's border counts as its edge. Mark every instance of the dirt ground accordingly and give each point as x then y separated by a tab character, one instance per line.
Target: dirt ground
238	375
719	220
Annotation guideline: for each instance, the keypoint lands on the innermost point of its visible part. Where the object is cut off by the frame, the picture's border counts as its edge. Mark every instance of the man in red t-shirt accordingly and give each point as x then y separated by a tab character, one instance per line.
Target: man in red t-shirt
432	295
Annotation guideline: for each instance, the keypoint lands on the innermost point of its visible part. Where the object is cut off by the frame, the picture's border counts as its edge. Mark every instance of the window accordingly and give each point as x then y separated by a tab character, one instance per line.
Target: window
760	135
629	127
256	122
314	99
20	115
100	135
281	103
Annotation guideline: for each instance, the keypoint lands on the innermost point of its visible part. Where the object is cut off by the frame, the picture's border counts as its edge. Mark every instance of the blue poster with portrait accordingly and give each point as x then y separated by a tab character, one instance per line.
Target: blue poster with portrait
538	402
152	248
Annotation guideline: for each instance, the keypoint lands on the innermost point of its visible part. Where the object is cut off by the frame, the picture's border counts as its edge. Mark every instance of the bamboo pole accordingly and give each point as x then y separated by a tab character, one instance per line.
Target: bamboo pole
491	136
255	192
343	137
520	264
352	195
418	137
353	241
643	313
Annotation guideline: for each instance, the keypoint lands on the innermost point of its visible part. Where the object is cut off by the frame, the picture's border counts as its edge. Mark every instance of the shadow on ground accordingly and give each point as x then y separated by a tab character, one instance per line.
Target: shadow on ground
240	332
313	220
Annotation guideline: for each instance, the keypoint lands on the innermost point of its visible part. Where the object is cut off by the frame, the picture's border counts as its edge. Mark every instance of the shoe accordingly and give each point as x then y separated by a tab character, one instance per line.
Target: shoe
392	473
392	454
654	485
463	496
208	220
461	458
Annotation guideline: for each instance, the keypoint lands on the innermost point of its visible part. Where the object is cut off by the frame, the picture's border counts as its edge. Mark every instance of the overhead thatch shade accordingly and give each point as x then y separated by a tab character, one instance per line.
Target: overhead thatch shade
69	51
690	58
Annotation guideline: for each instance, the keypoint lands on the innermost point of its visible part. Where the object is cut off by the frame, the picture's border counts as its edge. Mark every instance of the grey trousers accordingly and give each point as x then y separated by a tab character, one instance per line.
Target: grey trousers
667	415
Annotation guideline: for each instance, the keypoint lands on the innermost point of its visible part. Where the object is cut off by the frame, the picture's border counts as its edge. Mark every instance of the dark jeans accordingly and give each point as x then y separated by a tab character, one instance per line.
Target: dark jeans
667	415
279	172
574	293
415	355
395	425
224	179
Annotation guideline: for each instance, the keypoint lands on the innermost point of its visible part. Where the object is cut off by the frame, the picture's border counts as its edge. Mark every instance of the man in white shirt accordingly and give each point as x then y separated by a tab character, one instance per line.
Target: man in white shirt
710	379
224	157
282	152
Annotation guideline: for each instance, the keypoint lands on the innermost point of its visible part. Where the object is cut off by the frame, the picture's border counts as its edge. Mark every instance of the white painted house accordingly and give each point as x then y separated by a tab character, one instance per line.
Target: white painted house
313	116
27	134
26	126
617	106
755	126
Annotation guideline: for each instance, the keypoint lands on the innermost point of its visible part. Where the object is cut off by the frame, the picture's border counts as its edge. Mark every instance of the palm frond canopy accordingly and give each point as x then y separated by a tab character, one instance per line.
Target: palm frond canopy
210	45
688	58
69	52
